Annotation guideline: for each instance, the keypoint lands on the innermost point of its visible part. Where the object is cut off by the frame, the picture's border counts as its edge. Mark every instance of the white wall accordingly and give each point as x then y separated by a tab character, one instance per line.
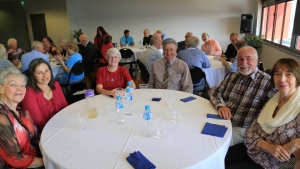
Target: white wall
174	17
269	55
57	23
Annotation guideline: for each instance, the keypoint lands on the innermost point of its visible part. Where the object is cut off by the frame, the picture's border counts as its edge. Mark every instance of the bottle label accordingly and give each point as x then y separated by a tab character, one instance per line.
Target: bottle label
119	105
147	116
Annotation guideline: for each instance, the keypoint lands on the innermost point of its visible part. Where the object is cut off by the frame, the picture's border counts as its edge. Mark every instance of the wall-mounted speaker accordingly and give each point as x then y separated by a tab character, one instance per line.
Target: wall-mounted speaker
247	23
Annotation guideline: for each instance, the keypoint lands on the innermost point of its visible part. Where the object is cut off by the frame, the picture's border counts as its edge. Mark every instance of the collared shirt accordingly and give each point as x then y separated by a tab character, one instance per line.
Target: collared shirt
149	56
130	40
194	57
28	57
4	63
245	97
179	75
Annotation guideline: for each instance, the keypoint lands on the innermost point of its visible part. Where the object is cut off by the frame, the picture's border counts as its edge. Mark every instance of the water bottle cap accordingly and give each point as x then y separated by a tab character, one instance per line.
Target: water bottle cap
147	107
128	90
118	97
129	83
89	93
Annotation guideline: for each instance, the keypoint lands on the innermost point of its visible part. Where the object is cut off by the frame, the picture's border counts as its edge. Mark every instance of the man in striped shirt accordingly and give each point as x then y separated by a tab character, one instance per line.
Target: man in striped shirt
242	94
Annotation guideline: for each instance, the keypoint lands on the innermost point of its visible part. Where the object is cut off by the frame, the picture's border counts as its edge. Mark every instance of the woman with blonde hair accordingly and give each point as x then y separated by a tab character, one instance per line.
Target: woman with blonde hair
74	57
14	53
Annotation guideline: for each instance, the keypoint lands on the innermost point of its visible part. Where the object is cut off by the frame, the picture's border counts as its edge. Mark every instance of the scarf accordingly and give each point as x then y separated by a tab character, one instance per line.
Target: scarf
286	113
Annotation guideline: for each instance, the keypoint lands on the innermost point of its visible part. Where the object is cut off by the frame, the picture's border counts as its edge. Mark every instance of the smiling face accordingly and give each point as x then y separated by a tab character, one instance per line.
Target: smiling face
285	81
247	61
113	59
13	90
42	74
169	51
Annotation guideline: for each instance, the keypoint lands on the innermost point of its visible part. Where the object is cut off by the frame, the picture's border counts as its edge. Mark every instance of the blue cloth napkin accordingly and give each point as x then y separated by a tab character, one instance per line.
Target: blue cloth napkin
214	130
188	99
213	116
156	99
139	161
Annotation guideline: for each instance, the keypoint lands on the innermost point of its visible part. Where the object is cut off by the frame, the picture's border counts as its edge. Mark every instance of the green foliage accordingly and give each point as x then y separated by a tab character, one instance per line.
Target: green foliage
76	33
253	40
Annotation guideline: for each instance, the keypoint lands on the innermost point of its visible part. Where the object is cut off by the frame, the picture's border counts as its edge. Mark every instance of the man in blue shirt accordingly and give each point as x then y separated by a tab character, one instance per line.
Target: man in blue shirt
126	39
37	50
192	55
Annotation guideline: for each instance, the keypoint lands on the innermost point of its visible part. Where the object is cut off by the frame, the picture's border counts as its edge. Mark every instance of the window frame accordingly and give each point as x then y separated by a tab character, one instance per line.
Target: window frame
295	38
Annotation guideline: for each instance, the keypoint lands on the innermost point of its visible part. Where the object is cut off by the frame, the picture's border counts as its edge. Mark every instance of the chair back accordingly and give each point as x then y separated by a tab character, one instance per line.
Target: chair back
77	69
197	75
144	71
260	66
126	53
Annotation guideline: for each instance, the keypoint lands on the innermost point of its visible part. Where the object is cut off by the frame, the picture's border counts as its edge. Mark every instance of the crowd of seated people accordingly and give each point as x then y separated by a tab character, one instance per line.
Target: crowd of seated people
266	138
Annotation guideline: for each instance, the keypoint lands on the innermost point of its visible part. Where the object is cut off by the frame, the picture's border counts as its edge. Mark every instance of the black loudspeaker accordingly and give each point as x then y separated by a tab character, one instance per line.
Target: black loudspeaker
247	23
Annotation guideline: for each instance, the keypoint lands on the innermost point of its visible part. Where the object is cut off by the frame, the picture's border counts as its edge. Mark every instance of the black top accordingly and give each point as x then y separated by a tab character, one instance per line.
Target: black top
181	46
230	52
147	40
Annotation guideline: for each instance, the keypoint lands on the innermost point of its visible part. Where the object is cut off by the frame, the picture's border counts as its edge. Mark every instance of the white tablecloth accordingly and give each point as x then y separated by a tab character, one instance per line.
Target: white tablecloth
216	73
137	51
56	69
105	144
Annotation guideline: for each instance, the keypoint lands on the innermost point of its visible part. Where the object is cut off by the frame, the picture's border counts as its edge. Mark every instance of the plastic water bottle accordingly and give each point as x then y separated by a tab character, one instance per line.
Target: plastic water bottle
140	42
147	121
128	102
120	107
129	85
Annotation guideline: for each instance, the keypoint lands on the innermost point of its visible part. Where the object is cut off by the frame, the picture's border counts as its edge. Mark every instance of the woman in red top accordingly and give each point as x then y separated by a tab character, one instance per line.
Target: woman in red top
44	97
112	76
99	38
18	135
106	45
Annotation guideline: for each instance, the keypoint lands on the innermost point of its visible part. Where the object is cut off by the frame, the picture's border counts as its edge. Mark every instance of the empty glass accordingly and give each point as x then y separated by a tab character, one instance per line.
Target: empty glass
159	129
176	116
119	91
172	99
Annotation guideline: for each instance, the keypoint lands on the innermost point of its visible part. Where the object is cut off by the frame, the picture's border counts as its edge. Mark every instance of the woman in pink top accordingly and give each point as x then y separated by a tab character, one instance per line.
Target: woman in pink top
210	47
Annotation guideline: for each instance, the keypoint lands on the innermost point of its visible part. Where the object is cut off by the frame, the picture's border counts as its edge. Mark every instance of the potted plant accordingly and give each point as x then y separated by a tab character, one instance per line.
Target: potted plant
76	34
253	40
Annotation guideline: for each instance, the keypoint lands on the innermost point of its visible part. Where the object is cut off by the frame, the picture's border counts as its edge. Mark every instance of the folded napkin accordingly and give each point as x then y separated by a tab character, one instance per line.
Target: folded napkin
139	161
214	130
213	116
156	99
188	99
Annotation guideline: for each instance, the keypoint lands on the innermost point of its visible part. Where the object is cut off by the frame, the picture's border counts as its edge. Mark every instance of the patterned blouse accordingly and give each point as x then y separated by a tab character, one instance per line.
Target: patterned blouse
280	136
18	141
15	55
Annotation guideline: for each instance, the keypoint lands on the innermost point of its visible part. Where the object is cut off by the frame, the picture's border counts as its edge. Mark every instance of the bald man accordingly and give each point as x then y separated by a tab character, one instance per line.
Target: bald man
182	45
147	37
89	53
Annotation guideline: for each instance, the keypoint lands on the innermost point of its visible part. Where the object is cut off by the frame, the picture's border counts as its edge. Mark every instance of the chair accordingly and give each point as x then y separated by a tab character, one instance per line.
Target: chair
77	69
128	58
144	72
260	66
197	75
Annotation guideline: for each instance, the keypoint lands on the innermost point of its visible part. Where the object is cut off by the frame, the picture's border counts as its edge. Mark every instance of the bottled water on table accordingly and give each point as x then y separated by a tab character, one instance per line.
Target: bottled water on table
120	106
147	121
128	102
129	85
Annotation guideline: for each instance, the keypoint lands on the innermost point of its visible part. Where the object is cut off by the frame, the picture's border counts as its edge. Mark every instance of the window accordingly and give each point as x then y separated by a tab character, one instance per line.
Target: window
278	22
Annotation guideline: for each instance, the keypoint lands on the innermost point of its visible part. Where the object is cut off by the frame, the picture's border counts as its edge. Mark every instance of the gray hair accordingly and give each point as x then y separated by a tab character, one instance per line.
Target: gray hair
205	34
160	32
3	53
84	37
115	51
249	48
193	42
35	45
240	43
154	39
168	41
10	71
63	41
10	41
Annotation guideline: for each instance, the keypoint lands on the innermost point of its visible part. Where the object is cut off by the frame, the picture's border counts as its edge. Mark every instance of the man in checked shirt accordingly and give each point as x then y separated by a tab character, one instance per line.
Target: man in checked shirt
242	94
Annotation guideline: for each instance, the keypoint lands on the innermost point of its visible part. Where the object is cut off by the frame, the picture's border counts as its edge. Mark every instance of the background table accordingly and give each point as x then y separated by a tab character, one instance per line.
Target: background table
105	144
56	69
216	73
137	51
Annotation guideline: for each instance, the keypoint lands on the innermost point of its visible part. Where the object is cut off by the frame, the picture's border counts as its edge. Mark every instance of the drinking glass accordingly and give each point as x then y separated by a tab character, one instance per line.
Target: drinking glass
119	91
176	116
159	129
172	98
110	108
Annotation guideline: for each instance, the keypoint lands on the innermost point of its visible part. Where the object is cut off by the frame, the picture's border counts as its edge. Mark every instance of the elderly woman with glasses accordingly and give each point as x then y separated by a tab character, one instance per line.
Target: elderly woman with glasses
112	76
18	134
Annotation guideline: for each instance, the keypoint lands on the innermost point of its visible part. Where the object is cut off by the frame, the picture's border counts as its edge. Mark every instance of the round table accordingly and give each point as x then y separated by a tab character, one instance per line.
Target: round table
103	143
